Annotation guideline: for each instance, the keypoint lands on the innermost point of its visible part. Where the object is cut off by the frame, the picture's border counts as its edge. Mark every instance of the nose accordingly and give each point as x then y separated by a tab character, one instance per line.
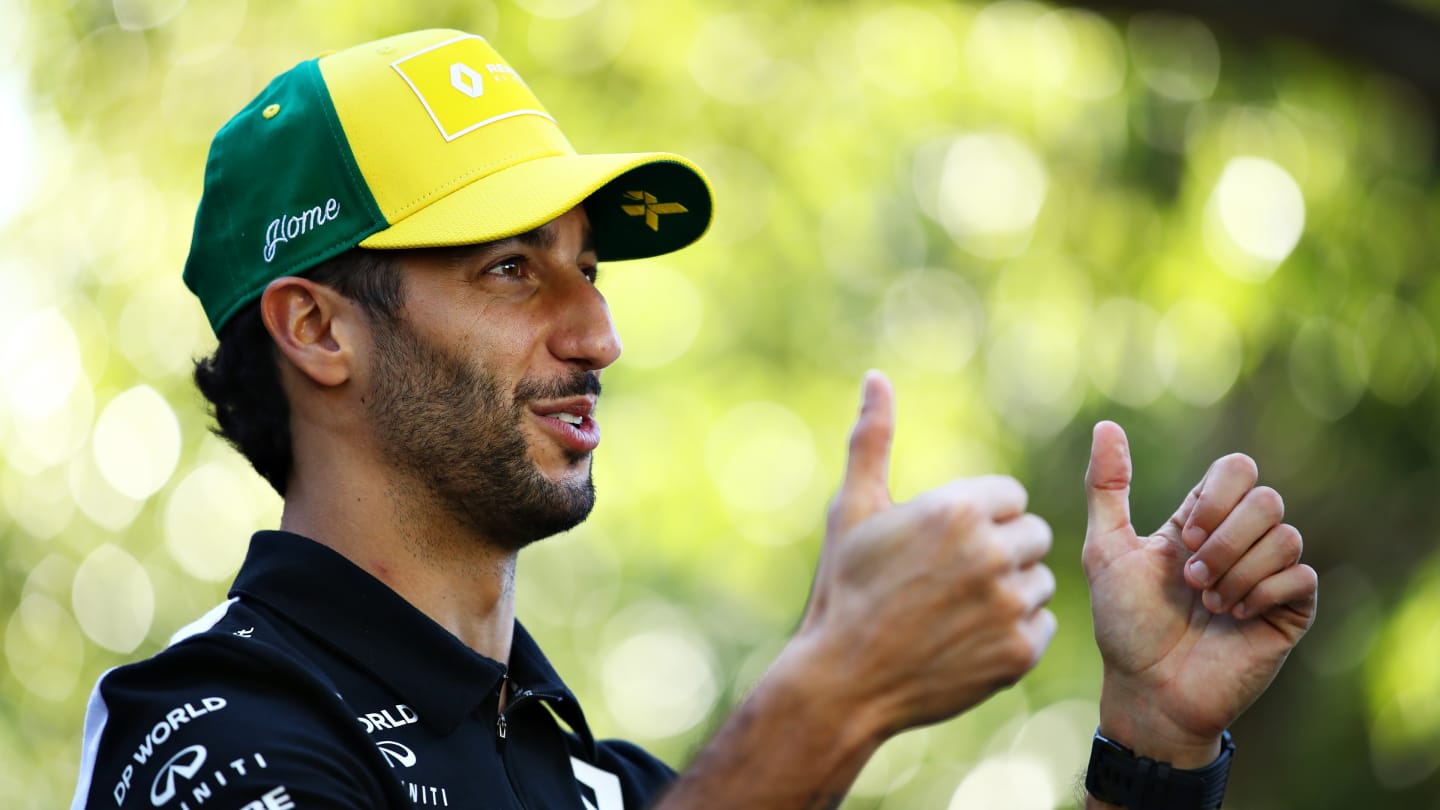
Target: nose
585	336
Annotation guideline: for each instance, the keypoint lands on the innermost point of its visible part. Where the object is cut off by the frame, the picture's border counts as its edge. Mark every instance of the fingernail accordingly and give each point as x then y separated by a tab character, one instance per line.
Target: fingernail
1199	572
1194	536
1212	601
1242	610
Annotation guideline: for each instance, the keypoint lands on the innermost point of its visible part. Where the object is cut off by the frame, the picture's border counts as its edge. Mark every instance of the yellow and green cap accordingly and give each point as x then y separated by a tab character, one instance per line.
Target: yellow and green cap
423	139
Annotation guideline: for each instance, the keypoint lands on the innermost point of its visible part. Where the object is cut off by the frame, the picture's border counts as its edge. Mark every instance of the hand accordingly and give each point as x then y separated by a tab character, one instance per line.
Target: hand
1194	621
925	608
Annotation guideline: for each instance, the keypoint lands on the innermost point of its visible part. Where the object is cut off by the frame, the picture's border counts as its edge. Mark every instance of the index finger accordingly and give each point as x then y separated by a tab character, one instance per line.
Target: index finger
998	497
1224	484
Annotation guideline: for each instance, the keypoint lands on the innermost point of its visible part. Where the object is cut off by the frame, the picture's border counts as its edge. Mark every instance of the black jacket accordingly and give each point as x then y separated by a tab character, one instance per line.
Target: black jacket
316	686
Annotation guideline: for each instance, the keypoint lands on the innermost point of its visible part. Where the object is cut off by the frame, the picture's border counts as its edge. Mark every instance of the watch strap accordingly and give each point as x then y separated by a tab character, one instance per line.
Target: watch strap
1116	775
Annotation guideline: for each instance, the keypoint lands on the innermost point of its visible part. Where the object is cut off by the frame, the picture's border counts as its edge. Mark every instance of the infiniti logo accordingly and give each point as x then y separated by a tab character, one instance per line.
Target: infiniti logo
397	754
185	764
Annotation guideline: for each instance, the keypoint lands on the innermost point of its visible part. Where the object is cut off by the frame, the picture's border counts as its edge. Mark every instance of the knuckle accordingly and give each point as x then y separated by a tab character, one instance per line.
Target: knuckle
993	560
955	514
1221	550
1232	588
857	437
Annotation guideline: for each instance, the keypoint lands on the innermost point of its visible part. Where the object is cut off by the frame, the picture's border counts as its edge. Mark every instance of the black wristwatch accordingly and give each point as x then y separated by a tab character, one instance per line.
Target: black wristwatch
1117	776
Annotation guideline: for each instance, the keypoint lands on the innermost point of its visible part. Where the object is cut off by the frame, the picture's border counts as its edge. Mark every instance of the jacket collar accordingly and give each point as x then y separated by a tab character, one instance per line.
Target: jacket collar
345	608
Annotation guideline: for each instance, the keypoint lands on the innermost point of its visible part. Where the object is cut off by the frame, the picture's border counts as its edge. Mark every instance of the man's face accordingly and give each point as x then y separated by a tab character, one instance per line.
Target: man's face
483	388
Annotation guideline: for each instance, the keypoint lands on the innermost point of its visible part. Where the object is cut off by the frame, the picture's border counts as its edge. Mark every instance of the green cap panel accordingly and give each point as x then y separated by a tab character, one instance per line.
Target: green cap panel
282	194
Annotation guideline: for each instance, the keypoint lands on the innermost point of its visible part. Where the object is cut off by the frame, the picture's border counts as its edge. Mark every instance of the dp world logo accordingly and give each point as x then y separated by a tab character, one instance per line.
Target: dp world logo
184	765
397	754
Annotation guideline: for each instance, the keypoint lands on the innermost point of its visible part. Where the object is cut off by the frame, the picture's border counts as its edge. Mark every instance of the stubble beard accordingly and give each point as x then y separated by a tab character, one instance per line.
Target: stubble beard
446	425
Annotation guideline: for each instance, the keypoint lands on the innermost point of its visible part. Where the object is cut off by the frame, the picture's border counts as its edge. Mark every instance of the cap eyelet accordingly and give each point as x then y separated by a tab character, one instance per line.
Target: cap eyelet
271	111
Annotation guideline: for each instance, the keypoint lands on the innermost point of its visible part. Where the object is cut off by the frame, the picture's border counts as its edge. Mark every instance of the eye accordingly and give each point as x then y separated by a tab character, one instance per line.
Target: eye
592	272
512	267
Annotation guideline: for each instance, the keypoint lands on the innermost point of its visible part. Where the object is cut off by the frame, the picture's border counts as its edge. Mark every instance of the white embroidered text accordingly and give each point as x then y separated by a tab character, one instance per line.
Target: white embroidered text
287	227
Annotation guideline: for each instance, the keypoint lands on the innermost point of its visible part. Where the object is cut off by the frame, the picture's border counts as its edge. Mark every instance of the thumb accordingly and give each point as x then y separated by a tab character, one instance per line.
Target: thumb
866	488
1107	481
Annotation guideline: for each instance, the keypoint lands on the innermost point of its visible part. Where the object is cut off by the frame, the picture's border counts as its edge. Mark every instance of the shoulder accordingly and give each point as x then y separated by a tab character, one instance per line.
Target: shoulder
218	714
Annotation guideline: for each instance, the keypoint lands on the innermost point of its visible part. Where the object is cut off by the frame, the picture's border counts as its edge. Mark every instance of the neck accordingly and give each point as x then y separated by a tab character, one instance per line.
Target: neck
393	531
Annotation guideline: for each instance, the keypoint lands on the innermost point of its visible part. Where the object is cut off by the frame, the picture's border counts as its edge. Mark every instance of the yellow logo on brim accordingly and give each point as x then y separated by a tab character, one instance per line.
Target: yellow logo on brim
464	85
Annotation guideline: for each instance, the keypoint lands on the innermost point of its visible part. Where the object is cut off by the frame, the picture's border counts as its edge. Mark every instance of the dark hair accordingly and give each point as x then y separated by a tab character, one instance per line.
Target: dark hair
242	378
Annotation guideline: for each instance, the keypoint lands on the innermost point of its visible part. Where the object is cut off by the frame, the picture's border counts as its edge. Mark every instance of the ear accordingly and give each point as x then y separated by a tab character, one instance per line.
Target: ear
314	327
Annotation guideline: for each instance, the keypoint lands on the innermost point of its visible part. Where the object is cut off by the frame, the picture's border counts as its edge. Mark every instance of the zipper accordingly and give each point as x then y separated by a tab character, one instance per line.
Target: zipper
520	699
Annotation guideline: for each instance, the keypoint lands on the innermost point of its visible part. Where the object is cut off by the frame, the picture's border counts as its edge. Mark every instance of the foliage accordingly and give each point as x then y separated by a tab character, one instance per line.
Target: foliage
1031	216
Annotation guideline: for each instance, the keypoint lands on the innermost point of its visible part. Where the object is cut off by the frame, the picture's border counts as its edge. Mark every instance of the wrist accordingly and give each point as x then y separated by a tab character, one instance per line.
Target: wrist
815	687
784	746
1131	717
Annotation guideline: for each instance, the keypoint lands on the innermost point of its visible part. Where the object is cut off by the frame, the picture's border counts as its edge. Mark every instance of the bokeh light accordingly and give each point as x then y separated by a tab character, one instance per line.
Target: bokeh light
137	442
17	150
894	765
661	311
137	15
1006	780
1207	352
1262	212
44	648
1032	374
937	310
1128	352
1081	54
40	364
991	187
210	515
730	61
905	51
761	456
114	600
658	676
1405	743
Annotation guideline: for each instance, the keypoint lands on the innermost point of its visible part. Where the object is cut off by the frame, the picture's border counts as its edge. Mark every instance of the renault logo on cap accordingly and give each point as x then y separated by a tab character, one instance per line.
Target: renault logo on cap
466	80
463	84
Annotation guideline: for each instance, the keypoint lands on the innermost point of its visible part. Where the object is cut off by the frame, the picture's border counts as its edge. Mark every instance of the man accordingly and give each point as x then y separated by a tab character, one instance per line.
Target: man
397	248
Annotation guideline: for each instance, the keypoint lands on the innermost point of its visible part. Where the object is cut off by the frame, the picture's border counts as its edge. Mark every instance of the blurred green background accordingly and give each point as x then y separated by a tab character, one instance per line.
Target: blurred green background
1032	216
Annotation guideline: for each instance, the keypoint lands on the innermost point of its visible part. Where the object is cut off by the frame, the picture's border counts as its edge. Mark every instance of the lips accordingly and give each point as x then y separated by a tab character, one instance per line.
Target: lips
569	421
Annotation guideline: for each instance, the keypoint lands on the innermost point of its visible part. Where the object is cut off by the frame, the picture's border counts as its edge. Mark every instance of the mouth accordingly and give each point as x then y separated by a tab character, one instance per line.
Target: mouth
570	422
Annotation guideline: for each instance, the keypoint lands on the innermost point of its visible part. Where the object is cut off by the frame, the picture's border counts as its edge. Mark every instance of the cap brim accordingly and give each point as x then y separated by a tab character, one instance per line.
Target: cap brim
639	205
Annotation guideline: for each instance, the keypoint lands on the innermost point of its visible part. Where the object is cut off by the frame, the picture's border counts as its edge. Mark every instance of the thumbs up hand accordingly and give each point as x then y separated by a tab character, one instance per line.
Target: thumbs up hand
1193	621
923	609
